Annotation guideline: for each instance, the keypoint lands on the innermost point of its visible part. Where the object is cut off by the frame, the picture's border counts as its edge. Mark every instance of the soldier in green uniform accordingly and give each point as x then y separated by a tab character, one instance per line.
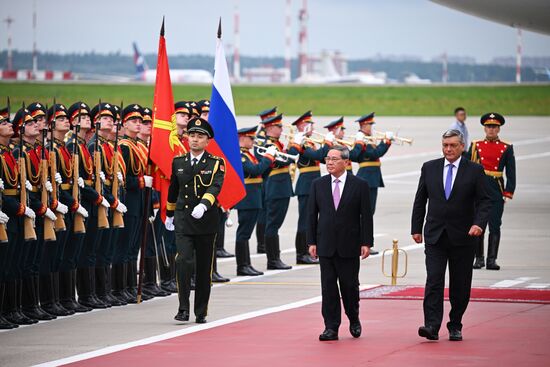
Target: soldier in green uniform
278	191
369	159
309	165
261	140
496	157
197	179
249	207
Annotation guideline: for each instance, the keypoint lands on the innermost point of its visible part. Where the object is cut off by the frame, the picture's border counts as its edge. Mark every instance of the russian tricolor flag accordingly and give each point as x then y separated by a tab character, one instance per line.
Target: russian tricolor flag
226	139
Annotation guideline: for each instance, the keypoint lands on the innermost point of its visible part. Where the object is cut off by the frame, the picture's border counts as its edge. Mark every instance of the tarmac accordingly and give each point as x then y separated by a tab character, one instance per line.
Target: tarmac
524	257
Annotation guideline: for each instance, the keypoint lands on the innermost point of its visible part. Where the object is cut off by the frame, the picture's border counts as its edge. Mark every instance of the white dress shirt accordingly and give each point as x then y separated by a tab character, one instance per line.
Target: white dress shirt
446	169
461	126
340	184
198	157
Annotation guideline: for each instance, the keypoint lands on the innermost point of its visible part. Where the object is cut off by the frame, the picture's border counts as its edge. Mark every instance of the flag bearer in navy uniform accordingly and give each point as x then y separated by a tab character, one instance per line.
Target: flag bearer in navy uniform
338	129
249	208
278	191
496	156
369	159
309	165
261	140
197	179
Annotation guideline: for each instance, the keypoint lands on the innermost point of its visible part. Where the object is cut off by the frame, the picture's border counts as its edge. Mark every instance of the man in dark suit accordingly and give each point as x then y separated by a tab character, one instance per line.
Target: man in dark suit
339	231
458	209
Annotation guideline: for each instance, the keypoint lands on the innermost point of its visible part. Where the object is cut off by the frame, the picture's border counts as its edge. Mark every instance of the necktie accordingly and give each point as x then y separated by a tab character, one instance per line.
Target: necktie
449	181
336	193
194	160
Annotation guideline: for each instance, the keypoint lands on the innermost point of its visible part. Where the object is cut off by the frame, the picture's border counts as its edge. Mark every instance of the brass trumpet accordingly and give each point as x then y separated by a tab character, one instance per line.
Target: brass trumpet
280	156
367	139
349	144
399	140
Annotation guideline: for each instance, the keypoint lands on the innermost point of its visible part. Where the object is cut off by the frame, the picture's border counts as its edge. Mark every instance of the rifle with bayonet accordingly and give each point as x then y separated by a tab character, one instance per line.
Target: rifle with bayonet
3	232
60	221
118	219
49	225
102	220
28	223
79	226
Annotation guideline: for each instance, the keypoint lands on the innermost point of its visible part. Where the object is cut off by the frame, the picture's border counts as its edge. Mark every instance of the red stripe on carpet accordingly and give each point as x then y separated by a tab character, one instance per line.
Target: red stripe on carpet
503	334
515	295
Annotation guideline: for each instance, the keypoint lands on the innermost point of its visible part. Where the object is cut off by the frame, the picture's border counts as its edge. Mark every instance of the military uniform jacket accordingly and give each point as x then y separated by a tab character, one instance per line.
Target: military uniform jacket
369	162
309	164
495	157
136	162
253	181
32	156
64	167
191	186
277	181
10	175
88	194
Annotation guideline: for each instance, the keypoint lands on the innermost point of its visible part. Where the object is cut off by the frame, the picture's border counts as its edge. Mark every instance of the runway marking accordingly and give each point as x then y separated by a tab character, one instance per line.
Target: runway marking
512	282
186	331
274	283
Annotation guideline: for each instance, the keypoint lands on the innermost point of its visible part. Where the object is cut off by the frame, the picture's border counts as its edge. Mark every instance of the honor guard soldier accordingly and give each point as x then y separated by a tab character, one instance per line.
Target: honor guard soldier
496	157
249	207
309	165
32	154
59	123
338	129
369	159
278	191
15	212
197	179
136	181
153	253
204	107
183	114
261	140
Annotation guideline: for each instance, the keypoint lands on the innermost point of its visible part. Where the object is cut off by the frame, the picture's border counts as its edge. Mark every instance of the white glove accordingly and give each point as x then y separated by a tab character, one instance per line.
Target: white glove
102	176
389	135
28	185
330	137
169	224
1	184
359	136
272	150
198	211
62	208
3	218
81	182
50	215
121	208
58	178
105	203
120	178
30	213
80	210
299	138
49	187
148	181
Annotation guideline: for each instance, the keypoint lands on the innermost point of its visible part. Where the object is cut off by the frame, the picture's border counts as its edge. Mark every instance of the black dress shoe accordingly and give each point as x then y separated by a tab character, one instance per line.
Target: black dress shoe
428	332
355	329
222	253
479	263
200	320
18	318
455	335
492	265
168	286
373	252
248	270
306	260
277	265
54	309
6	325
328	334
217	278
182	315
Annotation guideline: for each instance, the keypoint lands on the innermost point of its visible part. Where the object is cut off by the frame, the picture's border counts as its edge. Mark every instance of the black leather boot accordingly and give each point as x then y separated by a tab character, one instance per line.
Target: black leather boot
4	324
274	254
47	296
29	301
135	278
12	304
114	301
302	254
85	281
118	274
99	281
166	282
492	252
480	258
244	267
260	238
150	279
216	277
37	296
71	292
57	295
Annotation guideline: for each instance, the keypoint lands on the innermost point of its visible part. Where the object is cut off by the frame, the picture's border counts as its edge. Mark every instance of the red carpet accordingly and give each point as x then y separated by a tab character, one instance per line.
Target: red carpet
503	334
516	295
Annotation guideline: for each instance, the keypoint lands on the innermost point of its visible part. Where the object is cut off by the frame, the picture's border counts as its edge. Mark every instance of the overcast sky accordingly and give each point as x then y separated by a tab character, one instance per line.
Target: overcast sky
358	28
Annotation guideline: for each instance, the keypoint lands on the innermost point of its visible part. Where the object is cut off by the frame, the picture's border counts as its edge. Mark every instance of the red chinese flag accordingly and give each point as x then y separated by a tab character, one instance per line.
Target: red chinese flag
165	143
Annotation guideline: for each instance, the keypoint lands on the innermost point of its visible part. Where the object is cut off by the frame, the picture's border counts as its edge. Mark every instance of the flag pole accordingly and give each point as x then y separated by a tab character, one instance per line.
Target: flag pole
146	211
